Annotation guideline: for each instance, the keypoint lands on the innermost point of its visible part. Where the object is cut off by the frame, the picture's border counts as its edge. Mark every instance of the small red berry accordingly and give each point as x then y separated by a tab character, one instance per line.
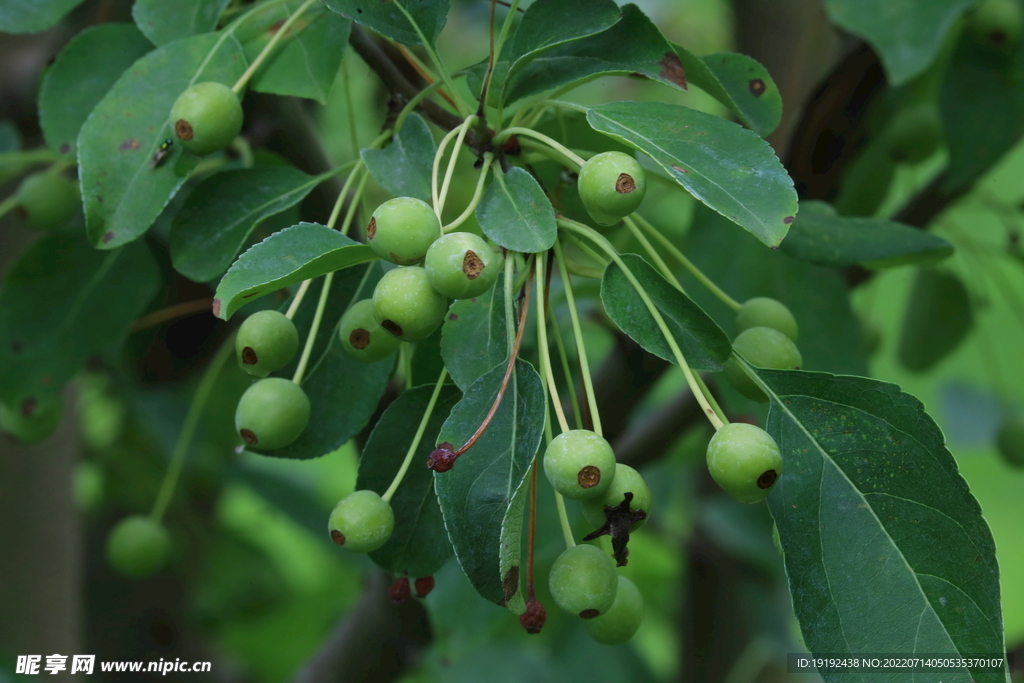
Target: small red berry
442	458
424	585
534	617
400	590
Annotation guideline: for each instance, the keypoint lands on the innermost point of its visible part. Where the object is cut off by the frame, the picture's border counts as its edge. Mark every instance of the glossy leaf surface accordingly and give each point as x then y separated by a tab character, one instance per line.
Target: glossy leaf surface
474	337
387	18
32	16
516	214
163	22
404	167
740	83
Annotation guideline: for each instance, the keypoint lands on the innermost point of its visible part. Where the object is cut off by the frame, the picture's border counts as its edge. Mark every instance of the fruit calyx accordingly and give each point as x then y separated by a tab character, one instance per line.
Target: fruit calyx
620	518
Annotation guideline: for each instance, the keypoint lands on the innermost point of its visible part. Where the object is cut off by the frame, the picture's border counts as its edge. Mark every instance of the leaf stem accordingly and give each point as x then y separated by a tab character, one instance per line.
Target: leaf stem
314	328
8	204
496	49
581	351
602	242
397	481
460	106
188	428
570	384
265	52
655	256
544	351
477	194
462	130
549	141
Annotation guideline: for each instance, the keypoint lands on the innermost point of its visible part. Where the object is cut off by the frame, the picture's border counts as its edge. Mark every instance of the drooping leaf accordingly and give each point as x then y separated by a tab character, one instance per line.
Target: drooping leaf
163	22
704	345
939	316
62	302
821	236
404	167
80	76
222	211
479	496
474	337
885	547
123	191
292	255
419	544
740	83
906	34
343	393
727	167
388	19
32	16
515	213
306	61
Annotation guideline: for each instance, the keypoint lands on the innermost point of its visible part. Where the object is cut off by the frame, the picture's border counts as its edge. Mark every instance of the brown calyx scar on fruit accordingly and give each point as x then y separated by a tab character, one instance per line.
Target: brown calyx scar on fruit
337	537
625	184
766	479
371	229
589	613
472	265
249	436
589	477
619	519
183	129
359	339
392	327
757	87
442	458
249	356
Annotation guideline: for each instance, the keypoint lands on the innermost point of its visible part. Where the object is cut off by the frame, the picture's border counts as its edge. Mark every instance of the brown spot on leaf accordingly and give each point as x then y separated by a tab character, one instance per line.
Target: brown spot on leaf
510	584
128	145
588	477
249	356
680	169
249	436
625	184
589	613
472	265
107	236
392	327
757	87
29	405
359	338
183	129
216	308
16	346
275	27
65	148
453	317
250	295
766	479
337	537
788	219
371	229
672	69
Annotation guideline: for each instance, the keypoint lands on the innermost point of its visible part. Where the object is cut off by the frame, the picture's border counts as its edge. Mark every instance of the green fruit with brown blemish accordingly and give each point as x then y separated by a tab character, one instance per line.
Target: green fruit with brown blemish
361	522
583	581
627	480
272	414
580	464
405	304
611	185
402	229
206	117
47	200
462	265
362	337
31	423
745	461
267	341
622	620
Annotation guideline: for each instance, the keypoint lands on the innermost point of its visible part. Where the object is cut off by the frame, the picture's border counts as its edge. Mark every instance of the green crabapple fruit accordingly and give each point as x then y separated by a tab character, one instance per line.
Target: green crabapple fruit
611	186
762	347
627	480
579	464
361	522
763	311
621	622
46	200
266	341
462	265
138	546
361	335
745	461
406	305
915	133
30	423
402	229
583	581
206	117
1010	439
996	23
272	413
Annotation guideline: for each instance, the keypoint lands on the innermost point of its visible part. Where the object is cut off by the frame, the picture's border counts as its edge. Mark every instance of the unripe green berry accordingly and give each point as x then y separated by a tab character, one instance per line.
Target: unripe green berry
579	464
1010	439
361	522
29	423
138	546
745	461
462	265
361	335
611	186
583	581
627	480
402	229
915	133
206	117
997	23
46	200
266	341
272	413
406	305
762	311
622	621
762	347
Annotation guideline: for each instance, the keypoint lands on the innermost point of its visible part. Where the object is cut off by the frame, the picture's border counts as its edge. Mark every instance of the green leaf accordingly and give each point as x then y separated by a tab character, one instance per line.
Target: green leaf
885	547
80	76
480	496
419	544
298	253
727	167
10	138
516	214
222	211
474	337
739	82
122	190
821	236
163	21
704	345
634	45
938	317
305	63
906	34
343	393
404	168
32	16
387	18
64	301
